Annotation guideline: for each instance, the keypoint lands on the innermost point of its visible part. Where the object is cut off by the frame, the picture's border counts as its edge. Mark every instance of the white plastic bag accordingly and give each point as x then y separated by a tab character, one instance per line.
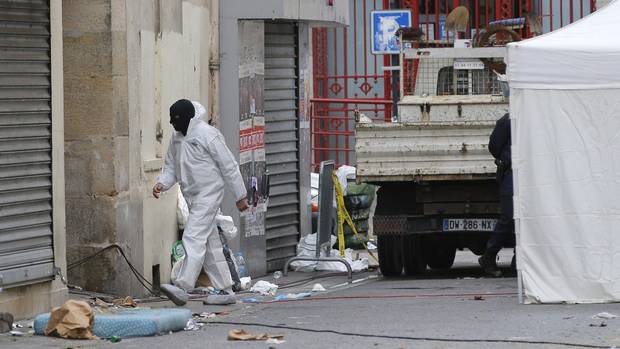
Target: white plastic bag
182	210
227	225
265	288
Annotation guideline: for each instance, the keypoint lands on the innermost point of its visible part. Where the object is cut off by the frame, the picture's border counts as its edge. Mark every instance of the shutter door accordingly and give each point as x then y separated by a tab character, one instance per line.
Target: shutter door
281	142
26	254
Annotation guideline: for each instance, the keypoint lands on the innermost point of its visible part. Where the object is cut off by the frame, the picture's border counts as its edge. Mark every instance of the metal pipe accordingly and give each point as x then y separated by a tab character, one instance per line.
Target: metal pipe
214	63
346	87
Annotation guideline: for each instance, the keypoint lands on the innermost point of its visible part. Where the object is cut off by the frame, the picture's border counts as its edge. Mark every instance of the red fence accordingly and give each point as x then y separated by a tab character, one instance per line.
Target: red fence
348	77
330	120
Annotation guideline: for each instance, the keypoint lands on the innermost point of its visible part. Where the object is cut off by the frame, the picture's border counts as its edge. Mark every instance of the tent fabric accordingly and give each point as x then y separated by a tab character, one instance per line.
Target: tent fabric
582	55
565	113
567	194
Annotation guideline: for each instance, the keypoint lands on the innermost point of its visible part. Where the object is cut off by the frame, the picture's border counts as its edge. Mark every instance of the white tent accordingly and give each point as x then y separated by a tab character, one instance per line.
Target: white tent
565	111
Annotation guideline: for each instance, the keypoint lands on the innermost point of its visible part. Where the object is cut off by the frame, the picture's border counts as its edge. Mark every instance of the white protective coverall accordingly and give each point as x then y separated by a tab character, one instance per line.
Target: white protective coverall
202	164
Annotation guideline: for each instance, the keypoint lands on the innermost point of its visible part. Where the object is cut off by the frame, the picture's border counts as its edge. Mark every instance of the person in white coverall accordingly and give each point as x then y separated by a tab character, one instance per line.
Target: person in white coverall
199	160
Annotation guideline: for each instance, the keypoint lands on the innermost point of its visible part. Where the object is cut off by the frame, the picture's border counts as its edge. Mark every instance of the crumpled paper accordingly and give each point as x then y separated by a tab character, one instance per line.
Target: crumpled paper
73	320
242	335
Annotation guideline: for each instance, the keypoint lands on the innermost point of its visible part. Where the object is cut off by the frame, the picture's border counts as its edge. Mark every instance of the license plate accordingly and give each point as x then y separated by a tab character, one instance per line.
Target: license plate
469	224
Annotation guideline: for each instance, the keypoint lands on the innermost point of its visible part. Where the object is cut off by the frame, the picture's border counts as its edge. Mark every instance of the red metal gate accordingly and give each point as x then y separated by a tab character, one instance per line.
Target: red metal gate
347	78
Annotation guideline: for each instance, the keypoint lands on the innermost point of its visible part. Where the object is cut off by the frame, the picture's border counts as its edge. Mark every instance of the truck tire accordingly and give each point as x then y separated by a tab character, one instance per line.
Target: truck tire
441	257
390	257
414	258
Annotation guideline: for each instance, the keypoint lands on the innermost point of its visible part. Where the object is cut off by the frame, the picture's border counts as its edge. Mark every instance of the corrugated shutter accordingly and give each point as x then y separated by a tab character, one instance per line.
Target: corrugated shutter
281	142
26	254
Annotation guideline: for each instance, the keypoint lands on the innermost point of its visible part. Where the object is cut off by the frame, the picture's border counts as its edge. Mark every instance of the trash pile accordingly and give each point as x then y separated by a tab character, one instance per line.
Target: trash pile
359	200
307	248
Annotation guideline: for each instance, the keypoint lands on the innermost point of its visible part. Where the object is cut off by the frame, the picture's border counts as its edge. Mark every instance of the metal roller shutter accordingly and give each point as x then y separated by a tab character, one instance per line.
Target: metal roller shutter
26	254
281	142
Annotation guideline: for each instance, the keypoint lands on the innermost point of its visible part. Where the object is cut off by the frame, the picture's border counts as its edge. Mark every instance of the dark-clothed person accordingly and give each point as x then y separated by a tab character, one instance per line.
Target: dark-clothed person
504	232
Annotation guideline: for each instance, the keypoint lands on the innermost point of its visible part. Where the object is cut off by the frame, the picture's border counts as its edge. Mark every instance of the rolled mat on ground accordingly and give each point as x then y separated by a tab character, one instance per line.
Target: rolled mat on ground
129	322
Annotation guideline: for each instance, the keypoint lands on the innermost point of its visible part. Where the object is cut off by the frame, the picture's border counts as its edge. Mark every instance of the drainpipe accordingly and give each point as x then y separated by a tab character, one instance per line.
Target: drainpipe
214	63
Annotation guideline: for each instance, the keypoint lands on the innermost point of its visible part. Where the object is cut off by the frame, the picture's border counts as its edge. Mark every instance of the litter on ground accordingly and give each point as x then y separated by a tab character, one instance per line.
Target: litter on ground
318	288
605	315
242	335
265	288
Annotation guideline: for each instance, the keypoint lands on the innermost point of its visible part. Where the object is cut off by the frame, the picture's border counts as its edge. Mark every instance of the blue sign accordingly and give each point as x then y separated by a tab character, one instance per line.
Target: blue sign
442	29
383	27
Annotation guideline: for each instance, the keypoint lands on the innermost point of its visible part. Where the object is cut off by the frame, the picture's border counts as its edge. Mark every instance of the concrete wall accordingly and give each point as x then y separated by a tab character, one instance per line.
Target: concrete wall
125	63
26	302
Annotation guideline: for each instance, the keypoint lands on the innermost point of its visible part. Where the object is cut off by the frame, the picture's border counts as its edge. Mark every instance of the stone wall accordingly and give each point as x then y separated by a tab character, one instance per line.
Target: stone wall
125	62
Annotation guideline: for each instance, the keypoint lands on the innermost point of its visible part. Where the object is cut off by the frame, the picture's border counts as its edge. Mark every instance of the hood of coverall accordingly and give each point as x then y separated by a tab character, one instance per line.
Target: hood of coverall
181	113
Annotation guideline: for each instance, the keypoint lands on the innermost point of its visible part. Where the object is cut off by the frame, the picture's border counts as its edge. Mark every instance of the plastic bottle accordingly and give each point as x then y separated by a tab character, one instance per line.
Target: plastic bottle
241	264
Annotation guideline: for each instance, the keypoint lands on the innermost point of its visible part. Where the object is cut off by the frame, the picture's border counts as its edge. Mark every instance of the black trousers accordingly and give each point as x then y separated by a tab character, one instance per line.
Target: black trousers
504	232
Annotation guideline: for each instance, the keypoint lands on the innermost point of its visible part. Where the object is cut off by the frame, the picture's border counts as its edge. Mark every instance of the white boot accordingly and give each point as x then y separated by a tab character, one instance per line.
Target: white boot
177	295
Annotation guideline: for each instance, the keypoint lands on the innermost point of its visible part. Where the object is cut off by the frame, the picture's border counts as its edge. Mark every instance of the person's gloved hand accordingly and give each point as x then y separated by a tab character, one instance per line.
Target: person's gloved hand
157	188
242	205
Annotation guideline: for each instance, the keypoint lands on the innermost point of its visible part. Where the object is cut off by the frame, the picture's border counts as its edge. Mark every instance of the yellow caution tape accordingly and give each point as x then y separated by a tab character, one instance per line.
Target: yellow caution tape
343	215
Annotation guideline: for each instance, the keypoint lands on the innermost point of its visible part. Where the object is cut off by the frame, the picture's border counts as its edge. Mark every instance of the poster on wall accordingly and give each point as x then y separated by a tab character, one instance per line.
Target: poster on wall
383	27
252	147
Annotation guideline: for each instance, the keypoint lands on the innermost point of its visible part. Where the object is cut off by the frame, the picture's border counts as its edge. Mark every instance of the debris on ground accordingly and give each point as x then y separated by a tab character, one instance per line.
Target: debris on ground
192	325
246	282
242	335
275	341
250	300
204	315
6	322
605	315
265	288
73	320
318	288
292	296
17	333
101	303
208	315
307	248
602	324
115	339
220	299
126	302
478	298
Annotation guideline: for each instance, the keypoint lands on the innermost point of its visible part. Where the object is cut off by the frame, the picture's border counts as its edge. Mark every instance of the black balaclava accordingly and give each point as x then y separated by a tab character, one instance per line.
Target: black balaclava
181	112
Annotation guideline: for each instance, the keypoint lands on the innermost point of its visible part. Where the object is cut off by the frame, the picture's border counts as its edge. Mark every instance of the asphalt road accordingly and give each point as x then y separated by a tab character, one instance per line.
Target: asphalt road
455	309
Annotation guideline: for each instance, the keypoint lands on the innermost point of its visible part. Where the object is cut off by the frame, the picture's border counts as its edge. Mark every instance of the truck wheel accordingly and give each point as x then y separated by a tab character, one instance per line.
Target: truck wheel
390	257
414	258
441	257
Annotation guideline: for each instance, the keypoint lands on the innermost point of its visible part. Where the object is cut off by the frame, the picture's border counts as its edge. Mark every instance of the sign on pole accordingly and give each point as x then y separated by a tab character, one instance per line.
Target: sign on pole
383	26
